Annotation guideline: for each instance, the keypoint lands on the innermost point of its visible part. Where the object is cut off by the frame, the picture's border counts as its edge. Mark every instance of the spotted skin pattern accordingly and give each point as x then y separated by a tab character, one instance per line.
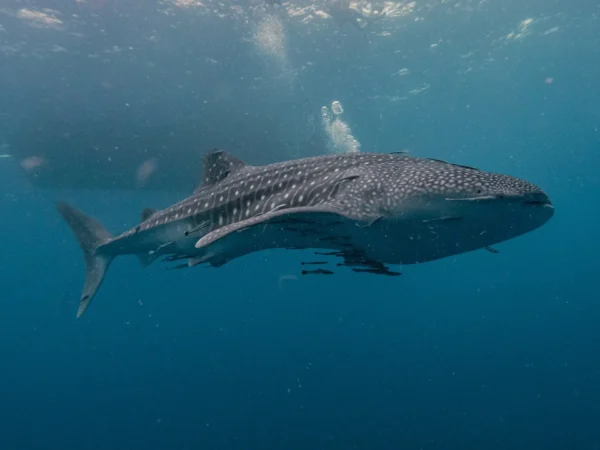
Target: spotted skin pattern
361	185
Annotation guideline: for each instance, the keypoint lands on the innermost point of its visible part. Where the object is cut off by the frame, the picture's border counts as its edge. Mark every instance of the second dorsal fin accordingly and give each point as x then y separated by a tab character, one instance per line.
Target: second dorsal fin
146	213
218	165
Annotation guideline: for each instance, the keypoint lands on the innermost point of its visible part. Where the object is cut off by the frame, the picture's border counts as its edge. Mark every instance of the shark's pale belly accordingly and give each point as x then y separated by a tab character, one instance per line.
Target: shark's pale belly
391	243
385	241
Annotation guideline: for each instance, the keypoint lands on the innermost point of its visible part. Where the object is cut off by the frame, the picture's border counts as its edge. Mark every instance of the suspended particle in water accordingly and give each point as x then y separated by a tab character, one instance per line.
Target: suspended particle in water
144	171
32	163
402	72
336	107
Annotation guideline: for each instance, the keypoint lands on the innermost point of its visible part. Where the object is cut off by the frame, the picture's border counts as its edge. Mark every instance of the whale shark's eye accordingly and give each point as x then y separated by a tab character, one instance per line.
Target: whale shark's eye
479	191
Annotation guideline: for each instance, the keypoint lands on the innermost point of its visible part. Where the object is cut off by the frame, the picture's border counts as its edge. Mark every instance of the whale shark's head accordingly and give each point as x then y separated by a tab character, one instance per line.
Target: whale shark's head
435	209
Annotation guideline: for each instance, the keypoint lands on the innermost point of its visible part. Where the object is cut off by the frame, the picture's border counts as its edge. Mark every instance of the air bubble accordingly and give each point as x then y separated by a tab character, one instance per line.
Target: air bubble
336	107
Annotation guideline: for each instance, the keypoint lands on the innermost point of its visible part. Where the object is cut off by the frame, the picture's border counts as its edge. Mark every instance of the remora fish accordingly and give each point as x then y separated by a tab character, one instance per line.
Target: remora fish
370	209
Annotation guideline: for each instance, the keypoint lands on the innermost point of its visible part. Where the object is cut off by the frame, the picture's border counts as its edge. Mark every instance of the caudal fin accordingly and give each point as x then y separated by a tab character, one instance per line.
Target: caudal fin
90	234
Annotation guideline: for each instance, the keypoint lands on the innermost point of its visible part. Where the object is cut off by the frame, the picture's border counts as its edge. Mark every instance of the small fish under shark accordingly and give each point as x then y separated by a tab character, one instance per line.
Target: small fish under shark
368	209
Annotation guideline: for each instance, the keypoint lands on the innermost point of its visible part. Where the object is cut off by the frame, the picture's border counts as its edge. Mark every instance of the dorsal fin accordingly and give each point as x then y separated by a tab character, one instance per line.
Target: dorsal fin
146	213
218	165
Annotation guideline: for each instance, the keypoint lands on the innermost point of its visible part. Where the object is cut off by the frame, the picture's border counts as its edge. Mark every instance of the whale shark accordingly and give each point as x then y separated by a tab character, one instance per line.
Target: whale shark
367	210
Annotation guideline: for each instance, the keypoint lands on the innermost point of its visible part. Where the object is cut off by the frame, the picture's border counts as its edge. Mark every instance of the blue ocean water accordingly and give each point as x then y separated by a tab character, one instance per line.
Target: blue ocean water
478	351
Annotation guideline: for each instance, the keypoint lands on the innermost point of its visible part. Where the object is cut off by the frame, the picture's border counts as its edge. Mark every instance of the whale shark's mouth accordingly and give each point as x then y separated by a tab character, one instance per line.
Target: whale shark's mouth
530	199
539	202
538	198
475	199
